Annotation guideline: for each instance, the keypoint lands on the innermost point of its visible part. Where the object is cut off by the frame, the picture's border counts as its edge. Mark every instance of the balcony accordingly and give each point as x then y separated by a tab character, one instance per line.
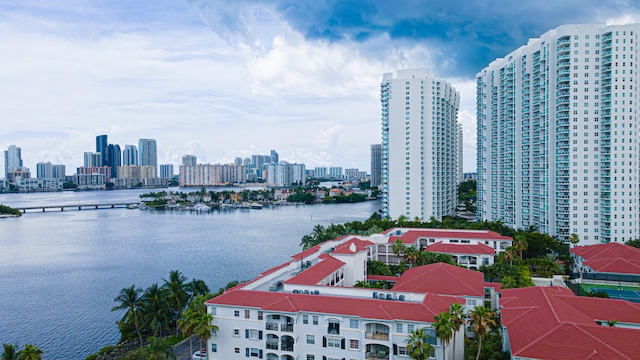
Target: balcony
377	332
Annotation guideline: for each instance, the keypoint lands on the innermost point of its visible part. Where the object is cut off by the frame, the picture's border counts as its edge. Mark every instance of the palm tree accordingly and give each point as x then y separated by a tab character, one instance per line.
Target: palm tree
130	300
520	244
197	287
411	255
177	295
509	254
458	319
574	239
155	309
187	325
418	345
10	352
203	326
444	329
159	349
30	352
482	319
398	248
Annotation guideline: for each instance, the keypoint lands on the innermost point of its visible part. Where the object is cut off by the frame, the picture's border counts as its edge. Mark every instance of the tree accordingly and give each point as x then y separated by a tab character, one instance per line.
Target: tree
411	255
398	248
30	352
10	352
458	319
130	300
635	243
482	319
520	244
196	288
156	314
509	254
177	295
574	239
418	345
444	327
160	349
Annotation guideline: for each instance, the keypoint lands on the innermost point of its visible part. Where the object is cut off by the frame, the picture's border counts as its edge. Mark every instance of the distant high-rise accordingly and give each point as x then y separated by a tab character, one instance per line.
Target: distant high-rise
376	165
166	171
460	154
92	159
130	155
558	134
335	172
12	160
189	160
44	170
148	155
101	147
238	161
114	159
275	158
419	145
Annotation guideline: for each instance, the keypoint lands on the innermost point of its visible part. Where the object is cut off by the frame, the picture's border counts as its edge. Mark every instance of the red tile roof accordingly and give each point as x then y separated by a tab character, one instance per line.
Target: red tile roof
362	307
610	258
467	249
553	323
411	236
441	278
317	272
382	278
358	245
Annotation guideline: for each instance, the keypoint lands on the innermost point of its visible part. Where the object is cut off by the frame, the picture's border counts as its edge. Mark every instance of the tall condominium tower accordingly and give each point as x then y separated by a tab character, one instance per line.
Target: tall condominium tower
558	134
147	153
376	165
12	160
130	155
189	160
275	158
101	147
114	160
92	159
419	145
166	171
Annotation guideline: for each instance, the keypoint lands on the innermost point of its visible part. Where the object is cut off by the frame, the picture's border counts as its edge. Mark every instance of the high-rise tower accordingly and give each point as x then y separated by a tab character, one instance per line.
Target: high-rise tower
376	165
148	153
419	145
558	134
101	147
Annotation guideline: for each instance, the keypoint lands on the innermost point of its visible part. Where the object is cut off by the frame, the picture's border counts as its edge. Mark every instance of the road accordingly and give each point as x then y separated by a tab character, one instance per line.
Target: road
182	350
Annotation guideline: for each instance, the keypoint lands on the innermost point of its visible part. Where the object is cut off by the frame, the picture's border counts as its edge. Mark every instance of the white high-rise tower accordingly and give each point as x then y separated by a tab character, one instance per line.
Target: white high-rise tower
419	145
558	134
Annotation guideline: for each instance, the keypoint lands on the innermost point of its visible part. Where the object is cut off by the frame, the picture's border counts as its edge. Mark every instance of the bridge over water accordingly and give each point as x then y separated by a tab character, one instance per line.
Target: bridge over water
64	207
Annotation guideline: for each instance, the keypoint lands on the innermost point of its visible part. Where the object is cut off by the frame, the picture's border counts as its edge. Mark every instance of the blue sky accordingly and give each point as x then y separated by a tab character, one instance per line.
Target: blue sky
221	79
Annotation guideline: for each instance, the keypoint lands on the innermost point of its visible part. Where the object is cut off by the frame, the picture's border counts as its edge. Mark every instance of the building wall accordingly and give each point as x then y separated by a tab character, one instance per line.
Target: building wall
376	164
558	133
419	145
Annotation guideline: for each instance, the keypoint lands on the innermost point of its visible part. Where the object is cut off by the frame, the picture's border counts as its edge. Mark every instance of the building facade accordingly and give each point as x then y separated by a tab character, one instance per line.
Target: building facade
166	171
148	155
376	165
130	155
13	161
558	135
419	145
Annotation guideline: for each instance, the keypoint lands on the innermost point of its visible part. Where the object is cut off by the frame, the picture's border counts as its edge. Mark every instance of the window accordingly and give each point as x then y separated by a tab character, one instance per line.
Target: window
354	344
214	347
402	350
253	334
236	332
260	315
305	319
311	339
334	343
315	320
247	314
333	328
353	323
253	352
409	328
311	357
236	313
399	328
236	350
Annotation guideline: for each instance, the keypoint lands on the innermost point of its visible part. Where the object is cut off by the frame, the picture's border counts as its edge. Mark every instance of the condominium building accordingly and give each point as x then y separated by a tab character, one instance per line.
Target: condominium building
166	171
308	307
558	134
148	154
376	165
419	145
46	170
101	147
13	161
208	175
130	155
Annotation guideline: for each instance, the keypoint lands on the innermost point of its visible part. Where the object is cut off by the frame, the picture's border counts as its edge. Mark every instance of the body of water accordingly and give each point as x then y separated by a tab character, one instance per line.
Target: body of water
60	271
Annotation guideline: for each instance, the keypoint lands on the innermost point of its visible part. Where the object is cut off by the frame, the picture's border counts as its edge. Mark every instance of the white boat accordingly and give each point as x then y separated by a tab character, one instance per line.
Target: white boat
256	206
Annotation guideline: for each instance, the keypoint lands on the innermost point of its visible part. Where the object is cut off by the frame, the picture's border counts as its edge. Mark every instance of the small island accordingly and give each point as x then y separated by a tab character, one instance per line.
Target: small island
6	211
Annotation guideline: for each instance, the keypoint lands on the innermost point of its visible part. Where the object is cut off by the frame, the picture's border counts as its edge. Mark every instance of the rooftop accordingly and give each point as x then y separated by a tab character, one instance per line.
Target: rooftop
467	249
610	258
410	236
553	323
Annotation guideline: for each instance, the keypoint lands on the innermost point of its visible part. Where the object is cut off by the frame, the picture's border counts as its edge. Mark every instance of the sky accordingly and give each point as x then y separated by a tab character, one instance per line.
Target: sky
222	79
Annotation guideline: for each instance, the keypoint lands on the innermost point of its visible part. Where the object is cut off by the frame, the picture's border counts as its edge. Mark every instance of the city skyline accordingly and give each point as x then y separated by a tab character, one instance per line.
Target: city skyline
222	80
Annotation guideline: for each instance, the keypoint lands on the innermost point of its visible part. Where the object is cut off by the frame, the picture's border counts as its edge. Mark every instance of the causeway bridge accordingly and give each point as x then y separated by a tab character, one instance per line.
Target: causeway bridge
64	207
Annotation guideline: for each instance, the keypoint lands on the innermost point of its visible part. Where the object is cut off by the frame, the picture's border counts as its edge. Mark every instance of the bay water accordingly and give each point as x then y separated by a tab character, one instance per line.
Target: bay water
61	270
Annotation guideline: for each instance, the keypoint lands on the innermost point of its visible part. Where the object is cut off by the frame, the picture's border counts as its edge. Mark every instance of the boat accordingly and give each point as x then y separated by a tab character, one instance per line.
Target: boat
256	205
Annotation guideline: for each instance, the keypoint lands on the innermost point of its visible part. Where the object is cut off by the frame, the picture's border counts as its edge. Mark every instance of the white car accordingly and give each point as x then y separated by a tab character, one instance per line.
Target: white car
200	355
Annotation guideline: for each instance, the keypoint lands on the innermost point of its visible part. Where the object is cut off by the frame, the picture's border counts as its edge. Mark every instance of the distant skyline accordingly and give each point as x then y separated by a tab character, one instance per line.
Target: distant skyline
227	79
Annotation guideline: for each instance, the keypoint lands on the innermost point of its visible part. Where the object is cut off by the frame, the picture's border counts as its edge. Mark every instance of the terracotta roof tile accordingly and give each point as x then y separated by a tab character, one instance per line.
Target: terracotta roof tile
469	249
441	278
